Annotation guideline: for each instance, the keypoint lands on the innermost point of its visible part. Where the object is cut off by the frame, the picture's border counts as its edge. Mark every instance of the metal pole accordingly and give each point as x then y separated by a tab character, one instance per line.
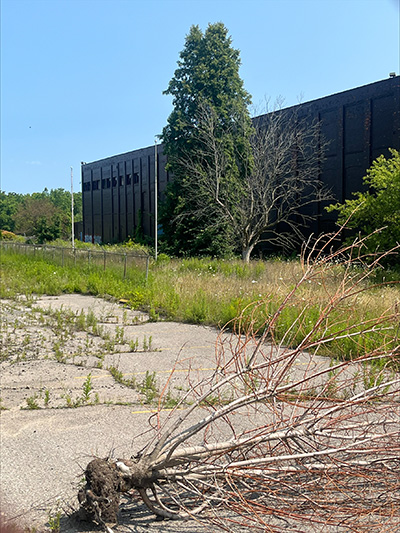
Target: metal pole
155	200
72	208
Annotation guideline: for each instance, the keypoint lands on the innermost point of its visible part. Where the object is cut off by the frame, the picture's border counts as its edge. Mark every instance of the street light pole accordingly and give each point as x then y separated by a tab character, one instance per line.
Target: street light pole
72	209
155	200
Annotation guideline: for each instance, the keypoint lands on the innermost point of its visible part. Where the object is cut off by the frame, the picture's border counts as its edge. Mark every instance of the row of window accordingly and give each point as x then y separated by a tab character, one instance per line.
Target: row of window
106	183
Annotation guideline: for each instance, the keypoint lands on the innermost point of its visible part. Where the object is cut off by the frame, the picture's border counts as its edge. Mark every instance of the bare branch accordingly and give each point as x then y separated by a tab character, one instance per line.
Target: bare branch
278	435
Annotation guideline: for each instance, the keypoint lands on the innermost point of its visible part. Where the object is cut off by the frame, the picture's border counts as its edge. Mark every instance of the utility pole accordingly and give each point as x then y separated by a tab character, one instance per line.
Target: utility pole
72	209
155	200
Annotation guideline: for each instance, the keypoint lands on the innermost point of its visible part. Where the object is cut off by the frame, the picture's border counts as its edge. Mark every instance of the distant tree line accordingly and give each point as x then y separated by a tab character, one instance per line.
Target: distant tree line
43	215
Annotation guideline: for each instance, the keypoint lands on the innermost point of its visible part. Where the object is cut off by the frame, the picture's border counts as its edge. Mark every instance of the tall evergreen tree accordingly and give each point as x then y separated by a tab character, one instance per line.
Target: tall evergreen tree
206	83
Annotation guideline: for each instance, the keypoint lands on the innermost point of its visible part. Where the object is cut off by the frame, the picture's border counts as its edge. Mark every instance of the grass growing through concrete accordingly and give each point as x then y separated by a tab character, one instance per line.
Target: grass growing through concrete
215	292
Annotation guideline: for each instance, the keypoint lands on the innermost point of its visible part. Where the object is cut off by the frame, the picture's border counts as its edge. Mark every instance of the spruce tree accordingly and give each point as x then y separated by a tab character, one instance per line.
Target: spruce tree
205	84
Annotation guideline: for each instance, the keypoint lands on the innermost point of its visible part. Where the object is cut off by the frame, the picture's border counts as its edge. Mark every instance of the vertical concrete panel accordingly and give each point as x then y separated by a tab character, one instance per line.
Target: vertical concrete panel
382	125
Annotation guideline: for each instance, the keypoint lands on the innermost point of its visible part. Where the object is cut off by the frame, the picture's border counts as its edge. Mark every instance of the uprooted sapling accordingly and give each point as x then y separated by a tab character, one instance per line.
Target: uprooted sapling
278	434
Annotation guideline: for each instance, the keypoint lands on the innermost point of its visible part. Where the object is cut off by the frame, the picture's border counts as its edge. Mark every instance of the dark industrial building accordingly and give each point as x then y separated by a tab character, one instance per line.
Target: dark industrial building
359	125
118	194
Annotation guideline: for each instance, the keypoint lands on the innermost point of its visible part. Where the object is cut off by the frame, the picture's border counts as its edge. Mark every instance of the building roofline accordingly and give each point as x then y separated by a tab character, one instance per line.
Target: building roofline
365	87
322	99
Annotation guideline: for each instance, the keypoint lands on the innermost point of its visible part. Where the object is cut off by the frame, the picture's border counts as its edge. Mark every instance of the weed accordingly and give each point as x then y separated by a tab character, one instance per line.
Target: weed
147	343
119	378
54	520
119	335
69	402
153	316
109	345
148	387
133	345
32	403
169	401
26	340
46	397
91	320
216	400
58	354
80	321
116	374
87	388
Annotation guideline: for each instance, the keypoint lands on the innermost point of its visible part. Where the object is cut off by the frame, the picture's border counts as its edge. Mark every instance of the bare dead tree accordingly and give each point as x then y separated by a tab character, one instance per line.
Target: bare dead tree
279	438
272	200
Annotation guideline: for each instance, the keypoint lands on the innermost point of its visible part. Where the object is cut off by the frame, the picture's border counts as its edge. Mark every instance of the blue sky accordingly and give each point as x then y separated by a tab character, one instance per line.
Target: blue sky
83	79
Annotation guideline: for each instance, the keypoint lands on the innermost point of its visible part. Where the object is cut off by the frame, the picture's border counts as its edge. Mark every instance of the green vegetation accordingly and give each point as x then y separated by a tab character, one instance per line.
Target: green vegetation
147	388
378	208
206	81
85	398
45	216
32	403
216	292
236	183
10	236
54	519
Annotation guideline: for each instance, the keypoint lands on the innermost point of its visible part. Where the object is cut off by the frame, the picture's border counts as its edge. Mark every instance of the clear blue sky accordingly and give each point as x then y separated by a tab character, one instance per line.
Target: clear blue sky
83	79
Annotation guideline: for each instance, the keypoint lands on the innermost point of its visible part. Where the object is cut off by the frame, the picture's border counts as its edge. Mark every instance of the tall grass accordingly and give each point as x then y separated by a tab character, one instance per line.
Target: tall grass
215	292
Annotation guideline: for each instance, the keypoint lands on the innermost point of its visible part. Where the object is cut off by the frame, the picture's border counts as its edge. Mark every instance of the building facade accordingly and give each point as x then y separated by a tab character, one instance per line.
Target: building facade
118	195
359	125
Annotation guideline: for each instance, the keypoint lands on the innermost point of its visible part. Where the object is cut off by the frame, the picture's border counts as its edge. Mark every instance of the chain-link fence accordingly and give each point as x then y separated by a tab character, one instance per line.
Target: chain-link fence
125	263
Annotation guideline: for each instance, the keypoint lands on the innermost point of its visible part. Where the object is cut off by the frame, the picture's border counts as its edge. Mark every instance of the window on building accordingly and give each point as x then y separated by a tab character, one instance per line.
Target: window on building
128	179
121	181
114	182
135	177
108	183
95	185
86	186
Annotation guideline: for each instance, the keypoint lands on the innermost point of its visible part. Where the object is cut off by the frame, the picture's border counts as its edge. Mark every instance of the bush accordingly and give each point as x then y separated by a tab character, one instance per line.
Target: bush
377	211
10	236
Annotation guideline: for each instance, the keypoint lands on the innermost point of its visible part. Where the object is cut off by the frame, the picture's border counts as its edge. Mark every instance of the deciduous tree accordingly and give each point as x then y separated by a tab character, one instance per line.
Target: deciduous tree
276	190
9	203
